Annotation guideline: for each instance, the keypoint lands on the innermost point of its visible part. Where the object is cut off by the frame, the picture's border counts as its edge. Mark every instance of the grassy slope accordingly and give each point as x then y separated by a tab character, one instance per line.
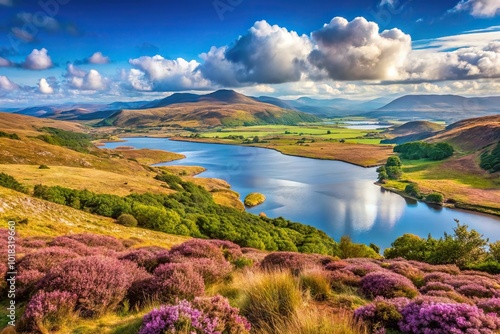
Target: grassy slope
50	219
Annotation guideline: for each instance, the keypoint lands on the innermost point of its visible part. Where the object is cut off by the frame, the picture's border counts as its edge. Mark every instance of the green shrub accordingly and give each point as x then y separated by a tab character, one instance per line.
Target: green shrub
490	266
76	141
43	167
126	219
10	182
9	135
420	150
491	161
434	198
413	190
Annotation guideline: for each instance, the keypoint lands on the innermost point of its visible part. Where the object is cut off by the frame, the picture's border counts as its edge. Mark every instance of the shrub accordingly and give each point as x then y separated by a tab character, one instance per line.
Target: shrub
126	219
383	313
211	271
96	240
170	281
413	190
209	316
26	282
363	268
409	271
388	285
341	278
317	282
435	317
436	286
295	262
99	282
45	259
230	250
434	198
270	298
10	182
142	257
48	311
491	305
476	290
43	167
71	244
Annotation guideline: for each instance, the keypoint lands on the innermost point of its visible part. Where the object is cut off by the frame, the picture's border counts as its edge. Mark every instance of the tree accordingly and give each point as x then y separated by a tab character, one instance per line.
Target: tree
328	132
382	174
435	198
413	190
126	219
408	246
256	139
393	161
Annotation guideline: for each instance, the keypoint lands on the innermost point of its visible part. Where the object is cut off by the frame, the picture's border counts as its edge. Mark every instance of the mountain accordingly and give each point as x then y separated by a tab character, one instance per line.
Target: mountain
449	108
223	107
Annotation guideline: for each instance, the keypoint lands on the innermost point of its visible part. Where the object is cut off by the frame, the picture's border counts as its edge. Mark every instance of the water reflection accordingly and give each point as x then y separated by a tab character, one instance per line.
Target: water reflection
335	197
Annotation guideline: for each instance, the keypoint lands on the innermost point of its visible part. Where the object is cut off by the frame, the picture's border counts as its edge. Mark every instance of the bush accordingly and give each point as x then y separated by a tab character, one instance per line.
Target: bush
434	198
491	305
210	316
295	262
491	161
99	282
10	182
420	150
126	219
230	250
388	285
413	190
97	240
47	312
383	313
43	167
45	259
170	281
143	257
438	317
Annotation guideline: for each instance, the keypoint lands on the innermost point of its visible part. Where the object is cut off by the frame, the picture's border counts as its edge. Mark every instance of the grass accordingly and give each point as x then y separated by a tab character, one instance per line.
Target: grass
254	199
50	219
459	179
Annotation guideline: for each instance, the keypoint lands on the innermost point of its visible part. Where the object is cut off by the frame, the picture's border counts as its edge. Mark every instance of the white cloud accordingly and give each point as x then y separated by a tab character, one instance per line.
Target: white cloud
357	51
160	74
5	62
462	64
98	58
479	8
82	80
38	60
6	84
44	87
477	39
266	54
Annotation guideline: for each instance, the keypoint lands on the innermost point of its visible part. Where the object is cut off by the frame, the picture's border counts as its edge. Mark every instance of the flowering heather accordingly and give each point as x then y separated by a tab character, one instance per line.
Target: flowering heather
212	271
197	248
335	265
134	272
71	244
361	267
169	282
288	260
26	282
214	316
35	243
491	305
342	277
254	254
408	270
99	282
45	259
47	311
231	250
437	277
388	285
95	240
476	290
450	296
440	318
432	286
142	257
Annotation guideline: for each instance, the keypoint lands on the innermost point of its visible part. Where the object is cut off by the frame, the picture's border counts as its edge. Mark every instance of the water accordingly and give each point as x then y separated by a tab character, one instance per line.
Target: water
365	125
334	196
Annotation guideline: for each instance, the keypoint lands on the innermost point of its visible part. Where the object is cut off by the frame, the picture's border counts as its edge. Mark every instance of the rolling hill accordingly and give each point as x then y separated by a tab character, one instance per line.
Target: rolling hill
411	131
223	107
449	108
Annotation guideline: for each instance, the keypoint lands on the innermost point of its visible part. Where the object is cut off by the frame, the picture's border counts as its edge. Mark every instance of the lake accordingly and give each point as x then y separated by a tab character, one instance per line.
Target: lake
336	197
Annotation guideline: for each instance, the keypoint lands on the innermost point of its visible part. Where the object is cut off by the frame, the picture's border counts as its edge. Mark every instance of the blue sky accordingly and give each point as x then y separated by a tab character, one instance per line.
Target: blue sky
75	50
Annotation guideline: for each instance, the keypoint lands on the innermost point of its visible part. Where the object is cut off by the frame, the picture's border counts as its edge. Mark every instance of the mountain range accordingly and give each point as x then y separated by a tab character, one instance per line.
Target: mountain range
448	108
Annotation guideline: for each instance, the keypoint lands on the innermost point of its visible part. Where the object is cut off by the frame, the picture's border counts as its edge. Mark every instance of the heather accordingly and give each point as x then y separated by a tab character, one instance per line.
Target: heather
78	279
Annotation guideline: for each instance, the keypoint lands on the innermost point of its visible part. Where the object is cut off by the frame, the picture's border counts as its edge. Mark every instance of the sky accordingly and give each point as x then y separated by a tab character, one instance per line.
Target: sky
58	51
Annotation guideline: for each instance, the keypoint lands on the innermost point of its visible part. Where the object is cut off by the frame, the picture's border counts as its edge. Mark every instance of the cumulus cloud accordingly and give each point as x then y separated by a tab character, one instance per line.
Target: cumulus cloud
267	54
82	80
6	84
357	51
160	74
38	60
5	62
479	8
44	87
98	58
464	63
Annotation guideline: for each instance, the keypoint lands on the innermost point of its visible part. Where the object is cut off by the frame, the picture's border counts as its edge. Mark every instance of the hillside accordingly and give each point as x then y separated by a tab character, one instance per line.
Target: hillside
223	107
411	131
449	108
471	134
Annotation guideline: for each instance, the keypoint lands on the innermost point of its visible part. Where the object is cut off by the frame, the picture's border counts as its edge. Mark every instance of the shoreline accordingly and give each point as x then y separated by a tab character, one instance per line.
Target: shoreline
456	206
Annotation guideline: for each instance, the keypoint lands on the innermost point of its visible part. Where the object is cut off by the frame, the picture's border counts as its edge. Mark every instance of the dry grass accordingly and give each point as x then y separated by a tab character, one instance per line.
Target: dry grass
98	181
28	126
149	157
183	170
50	219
